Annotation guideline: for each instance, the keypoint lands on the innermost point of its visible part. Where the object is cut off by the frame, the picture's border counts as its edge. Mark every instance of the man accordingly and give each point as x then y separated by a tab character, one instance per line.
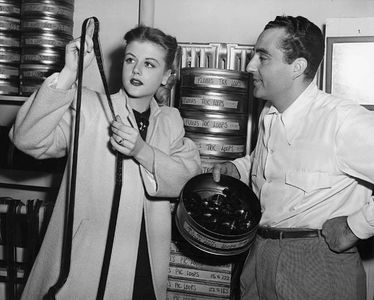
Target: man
312	170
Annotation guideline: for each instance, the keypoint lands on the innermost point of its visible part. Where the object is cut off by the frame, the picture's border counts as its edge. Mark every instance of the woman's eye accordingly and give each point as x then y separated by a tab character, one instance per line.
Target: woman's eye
129	60
149	65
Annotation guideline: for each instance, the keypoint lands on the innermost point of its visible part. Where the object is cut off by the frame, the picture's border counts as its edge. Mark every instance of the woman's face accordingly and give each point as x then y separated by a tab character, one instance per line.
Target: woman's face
144	69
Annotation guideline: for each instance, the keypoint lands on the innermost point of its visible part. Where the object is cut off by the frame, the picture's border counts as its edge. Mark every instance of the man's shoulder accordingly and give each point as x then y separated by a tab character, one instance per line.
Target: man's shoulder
334	103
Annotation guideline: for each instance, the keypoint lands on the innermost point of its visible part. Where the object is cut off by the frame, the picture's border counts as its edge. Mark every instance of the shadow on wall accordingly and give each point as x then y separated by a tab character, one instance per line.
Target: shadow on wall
115	70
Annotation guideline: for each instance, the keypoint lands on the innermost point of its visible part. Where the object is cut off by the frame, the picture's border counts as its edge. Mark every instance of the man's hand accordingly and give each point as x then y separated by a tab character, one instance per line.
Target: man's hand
226	168
339	237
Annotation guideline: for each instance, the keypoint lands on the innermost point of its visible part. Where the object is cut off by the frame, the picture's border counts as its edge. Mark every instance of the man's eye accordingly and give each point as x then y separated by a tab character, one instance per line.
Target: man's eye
262	58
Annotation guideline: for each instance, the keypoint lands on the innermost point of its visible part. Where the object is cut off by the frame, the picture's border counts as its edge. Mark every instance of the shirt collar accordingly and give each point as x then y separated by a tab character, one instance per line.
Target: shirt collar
296	111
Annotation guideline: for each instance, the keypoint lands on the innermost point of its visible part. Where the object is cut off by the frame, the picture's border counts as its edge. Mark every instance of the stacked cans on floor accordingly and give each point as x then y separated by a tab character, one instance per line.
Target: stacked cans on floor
214	107
46	27
194	279
10	51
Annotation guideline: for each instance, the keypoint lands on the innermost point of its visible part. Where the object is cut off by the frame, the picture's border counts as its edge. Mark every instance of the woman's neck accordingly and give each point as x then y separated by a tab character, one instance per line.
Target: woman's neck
140	104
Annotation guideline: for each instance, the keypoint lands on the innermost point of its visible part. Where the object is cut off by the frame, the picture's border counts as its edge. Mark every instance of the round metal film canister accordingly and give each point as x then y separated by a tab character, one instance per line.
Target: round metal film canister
27	87
229	147
218	218
54	9
47	24
10	56
9	87
206	122
213	100
8	72
45	56
36	73
64	2
9	40
45	40
10	9
10	25
208	162
227	80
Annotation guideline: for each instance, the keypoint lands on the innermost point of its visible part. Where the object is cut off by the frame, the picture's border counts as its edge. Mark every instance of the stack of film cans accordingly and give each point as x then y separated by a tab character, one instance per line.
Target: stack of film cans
46	28
191	278
10	50
214	107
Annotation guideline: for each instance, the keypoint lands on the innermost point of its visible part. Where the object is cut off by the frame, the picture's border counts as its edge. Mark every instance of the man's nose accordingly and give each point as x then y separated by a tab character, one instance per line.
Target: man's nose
251	67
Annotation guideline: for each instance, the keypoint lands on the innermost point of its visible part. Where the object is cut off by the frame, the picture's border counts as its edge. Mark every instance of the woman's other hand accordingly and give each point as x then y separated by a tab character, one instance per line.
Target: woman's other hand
127	140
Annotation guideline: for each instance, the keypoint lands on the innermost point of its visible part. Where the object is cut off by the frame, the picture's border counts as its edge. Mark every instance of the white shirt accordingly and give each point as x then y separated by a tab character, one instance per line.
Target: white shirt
314	162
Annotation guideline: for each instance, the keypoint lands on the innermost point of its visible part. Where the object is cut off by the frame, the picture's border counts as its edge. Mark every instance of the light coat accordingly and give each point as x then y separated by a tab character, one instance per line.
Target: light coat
43	129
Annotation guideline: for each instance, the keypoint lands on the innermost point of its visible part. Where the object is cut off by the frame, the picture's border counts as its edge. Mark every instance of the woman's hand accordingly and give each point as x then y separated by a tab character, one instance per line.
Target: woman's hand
69	73
127	140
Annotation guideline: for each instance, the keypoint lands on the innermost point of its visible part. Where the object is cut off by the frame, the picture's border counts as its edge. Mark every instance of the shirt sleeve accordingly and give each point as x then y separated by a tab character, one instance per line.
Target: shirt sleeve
362	222
355	145
243	165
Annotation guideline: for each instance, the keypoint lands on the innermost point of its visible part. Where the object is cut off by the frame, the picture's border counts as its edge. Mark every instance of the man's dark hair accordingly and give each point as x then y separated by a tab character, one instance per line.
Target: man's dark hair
303	39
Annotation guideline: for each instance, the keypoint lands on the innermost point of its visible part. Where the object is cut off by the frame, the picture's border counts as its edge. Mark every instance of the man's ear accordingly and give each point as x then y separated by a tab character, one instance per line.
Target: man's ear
299	66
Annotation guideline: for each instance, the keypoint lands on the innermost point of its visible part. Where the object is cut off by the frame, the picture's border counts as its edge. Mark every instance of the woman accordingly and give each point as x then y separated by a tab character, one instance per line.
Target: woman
155	168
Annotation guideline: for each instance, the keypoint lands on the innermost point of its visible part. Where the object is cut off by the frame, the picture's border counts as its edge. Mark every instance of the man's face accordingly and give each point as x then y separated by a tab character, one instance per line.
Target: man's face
272	75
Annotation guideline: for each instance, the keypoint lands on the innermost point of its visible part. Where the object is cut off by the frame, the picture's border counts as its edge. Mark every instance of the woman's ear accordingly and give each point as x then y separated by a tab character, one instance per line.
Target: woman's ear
299	66
166	76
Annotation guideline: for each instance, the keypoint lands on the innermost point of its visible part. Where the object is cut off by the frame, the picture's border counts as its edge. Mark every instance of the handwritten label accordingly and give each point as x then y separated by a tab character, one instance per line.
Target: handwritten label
214	102
220	81
217	124
196	274
198	288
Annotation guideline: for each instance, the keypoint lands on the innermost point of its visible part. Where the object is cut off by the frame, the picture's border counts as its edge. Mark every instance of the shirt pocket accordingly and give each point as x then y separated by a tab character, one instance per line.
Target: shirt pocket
308	181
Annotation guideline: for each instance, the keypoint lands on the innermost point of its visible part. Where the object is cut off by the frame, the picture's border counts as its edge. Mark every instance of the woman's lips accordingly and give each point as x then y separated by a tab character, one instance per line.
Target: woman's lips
136	82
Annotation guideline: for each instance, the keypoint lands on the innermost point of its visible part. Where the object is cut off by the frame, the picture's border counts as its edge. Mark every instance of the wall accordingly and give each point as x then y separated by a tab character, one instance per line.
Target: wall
240	21
116	17
231	21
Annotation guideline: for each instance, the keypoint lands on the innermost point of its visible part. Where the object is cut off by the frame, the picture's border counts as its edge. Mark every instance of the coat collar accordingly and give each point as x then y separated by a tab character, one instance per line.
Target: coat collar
122	98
